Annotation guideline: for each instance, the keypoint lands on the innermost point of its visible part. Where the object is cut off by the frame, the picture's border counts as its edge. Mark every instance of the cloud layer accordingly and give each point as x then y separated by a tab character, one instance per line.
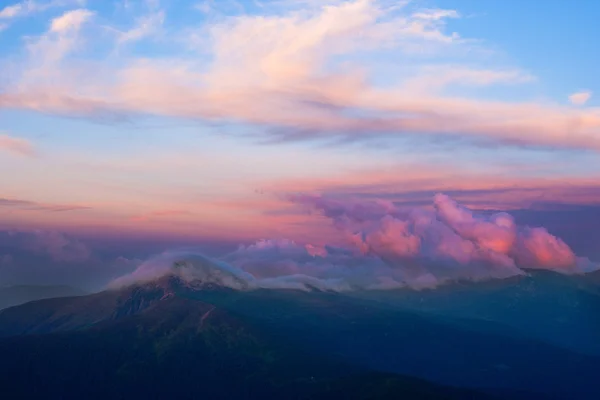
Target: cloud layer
297	73
386	247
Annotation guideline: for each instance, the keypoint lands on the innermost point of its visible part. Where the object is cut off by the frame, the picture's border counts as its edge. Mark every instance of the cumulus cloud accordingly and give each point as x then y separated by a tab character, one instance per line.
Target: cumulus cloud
451	234
386	247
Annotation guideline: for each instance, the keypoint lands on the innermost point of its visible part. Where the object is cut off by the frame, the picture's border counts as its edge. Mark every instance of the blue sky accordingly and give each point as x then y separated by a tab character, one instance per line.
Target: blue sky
555	39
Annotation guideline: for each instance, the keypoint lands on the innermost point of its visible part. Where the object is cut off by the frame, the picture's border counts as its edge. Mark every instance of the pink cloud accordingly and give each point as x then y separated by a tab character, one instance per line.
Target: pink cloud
280	70
16	145
28	205
580	98
70	21
486	188
385	247
158	214
448	239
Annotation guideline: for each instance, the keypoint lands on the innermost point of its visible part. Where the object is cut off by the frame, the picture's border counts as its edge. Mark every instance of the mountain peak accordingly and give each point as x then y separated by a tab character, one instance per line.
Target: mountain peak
192	271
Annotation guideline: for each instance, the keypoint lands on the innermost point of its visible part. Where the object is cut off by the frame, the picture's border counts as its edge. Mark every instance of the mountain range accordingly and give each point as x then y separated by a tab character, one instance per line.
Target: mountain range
170	338
19	294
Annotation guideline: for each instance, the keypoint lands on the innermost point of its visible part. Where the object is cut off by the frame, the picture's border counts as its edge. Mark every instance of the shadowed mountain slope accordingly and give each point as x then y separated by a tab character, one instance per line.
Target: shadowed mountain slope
251	344
15	295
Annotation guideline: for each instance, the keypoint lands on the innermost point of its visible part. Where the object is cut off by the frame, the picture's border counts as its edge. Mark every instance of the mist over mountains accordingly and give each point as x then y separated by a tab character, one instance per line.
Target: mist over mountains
376	244
388	247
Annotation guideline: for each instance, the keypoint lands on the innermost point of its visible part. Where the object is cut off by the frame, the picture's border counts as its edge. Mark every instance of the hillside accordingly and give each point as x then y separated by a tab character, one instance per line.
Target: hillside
150	342
15	295
291	336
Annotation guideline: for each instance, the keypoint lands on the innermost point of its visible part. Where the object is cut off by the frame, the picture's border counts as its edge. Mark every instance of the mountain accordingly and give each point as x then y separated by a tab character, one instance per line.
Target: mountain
170	338
156	341
15	295
558	309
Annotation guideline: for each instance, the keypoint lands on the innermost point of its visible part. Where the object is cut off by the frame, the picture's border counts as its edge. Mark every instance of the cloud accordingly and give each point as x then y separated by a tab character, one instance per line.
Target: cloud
48	51
580	98
450	234
159	213
70	21
52	257
145	26
436	14
36	206
16	145
57	246
28	7
490	186
188	266
301	72
386	247
204	6
11	11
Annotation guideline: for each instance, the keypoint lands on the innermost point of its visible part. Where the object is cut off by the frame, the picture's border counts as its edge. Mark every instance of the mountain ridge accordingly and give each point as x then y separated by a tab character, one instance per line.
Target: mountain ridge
359	334
178	339
20	294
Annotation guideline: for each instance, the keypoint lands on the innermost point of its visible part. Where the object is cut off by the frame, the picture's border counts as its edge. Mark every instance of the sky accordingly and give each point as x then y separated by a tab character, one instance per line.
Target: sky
206	121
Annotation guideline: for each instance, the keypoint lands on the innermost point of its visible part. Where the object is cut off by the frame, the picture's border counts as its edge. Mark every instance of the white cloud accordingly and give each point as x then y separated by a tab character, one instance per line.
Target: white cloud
70	21
27	7
12	11
580	98
436	14
204	6
145	26
48	51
